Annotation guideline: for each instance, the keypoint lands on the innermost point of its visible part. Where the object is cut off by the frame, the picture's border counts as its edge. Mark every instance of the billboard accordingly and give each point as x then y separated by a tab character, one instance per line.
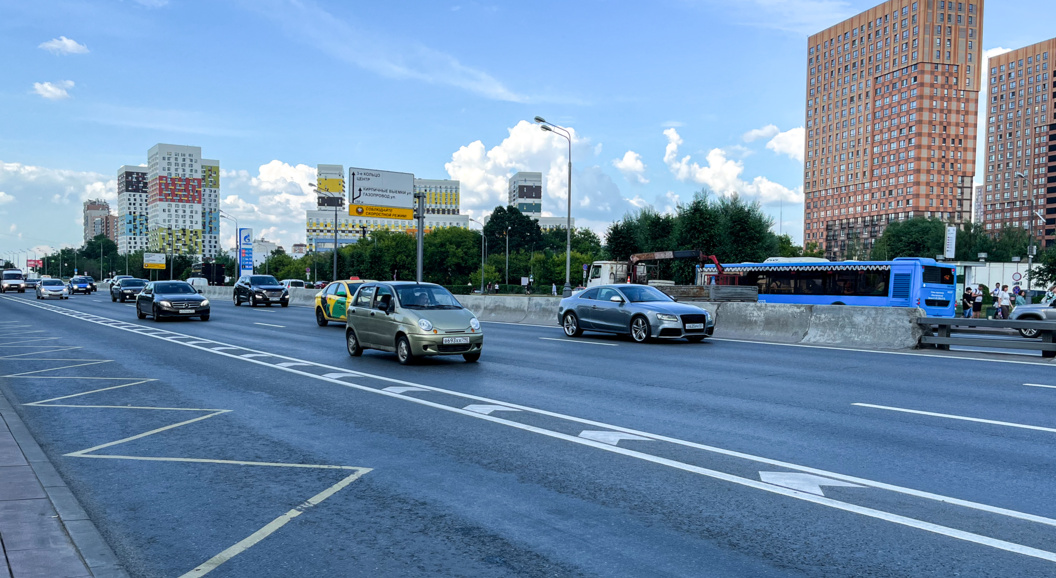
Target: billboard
34	263
154	260
374	188
245	251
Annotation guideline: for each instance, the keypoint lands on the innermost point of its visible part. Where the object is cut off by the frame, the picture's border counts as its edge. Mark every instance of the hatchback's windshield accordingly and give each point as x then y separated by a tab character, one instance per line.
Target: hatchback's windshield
12	275
174	289
644	294
426	297
51	283
263	280
132	283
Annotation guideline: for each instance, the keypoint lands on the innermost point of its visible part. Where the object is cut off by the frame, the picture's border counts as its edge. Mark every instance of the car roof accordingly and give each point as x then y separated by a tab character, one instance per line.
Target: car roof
406	283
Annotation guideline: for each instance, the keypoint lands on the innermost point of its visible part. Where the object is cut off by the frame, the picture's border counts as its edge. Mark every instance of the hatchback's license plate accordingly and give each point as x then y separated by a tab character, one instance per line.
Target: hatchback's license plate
694	326
184	311
456	340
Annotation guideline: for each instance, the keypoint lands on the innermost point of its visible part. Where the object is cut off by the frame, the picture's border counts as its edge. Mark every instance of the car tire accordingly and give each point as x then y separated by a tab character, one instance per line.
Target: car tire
140	314
570	323
286	304
639	329
352	343
205	317
320	317
252	301
154	312
471	357
695	338
112	298
403	350
234	297
1029	333
122	298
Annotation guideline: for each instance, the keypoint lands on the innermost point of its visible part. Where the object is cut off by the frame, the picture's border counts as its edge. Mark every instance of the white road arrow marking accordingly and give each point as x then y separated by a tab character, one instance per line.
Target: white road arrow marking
338	375
610	437
487	409
803	482
402	389
290	364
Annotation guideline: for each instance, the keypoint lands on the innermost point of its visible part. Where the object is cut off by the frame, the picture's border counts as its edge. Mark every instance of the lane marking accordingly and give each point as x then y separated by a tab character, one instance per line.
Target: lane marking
81	453
23	374
1040	385
611	437
486	409
291	363
748	482
958	417
803	482
401	389
269	325
340	375
567	340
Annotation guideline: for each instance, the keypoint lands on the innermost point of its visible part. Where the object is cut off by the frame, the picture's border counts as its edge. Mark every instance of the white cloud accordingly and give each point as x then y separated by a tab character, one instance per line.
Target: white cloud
788	143
723	176
632	167
63	45
53	91
768	131
65	189
273	202
13	228
6	198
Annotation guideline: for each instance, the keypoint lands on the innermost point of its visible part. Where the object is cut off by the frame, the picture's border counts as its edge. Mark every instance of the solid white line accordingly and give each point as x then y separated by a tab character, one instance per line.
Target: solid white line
269	324
81	453
578	341
958	417
1039	385
43	401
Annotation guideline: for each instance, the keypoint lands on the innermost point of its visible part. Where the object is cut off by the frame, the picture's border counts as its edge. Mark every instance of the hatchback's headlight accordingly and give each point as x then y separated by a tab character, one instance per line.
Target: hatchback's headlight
425	325
666	317
474	324
205	303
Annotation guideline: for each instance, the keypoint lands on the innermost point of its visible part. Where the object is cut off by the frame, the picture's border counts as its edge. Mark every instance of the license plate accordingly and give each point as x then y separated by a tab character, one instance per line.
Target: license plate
694	326
182	311
456	340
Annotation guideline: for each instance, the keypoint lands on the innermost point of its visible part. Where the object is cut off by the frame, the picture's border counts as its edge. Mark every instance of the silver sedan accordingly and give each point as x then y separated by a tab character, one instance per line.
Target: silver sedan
641	311
1034	312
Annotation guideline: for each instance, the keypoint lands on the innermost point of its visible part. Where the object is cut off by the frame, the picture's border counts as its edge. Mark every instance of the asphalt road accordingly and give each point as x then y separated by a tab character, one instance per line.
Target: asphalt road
252	445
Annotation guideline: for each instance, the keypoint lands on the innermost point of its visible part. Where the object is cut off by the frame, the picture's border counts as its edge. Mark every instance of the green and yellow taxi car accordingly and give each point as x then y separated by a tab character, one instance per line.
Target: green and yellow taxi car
411	319
332	302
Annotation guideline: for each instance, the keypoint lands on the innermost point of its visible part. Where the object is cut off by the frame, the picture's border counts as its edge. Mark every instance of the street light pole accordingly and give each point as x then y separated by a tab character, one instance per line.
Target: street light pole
564	133
483	251
1030	235
507	255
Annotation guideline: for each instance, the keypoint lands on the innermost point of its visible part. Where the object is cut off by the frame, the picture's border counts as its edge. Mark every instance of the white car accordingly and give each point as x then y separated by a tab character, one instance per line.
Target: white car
52	288
288	283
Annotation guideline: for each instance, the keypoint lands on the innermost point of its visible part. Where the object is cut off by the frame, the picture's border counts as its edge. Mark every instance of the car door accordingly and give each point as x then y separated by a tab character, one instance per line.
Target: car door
585	308
338	301
384	324
606	315
360	315
145	299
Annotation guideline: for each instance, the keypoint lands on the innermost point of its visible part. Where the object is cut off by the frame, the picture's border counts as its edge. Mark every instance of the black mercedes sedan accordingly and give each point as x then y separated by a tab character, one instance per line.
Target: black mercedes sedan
171	299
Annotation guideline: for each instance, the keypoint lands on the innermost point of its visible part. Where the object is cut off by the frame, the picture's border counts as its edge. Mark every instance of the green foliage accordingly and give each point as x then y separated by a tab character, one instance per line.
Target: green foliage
924	237
523	230
1044	271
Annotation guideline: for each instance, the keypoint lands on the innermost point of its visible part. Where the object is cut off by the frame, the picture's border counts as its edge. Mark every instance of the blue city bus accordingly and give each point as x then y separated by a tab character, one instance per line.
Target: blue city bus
903	282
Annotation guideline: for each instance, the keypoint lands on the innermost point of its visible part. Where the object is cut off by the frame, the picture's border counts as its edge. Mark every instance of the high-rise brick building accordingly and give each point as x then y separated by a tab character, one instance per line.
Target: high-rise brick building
1019	128
891	123
94	209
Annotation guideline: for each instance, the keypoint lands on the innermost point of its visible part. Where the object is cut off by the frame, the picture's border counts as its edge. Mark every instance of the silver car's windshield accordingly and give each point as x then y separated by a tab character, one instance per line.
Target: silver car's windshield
644	294
426	297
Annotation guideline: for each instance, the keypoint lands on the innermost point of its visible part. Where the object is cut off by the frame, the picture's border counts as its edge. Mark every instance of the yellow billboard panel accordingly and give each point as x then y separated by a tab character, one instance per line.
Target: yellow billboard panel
153	265
332	185
380	212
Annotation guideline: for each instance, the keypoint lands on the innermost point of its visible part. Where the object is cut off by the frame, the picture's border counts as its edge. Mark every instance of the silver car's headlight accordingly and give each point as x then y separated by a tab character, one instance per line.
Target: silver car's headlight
425	325
473	323
666	317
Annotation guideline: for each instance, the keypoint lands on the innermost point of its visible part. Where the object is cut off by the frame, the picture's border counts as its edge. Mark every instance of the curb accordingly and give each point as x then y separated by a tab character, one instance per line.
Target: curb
90	545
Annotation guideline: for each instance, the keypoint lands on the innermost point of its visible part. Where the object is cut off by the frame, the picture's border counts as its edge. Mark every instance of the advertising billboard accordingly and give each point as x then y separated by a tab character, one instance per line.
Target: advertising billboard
154	260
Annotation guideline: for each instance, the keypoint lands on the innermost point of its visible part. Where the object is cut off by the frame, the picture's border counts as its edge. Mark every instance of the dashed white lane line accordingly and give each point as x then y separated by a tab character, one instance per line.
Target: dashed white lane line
269	325
1040	385
958	417
578	341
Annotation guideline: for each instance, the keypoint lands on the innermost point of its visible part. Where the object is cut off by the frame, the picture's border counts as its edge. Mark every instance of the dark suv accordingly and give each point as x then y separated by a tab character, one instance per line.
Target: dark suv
254	289
126	289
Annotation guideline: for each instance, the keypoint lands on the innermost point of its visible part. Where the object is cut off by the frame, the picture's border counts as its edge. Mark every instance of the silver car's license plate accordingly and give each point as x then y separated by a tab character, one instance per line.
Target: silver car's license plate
184	311
694	326
456	340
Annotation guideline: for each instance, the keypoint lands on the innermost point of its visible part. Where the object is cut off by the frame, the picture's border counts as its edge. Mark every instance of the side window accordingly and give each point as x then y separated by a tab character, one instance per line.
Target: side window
148	289
590	294
340	291
606	293
330	289
365	296
382	291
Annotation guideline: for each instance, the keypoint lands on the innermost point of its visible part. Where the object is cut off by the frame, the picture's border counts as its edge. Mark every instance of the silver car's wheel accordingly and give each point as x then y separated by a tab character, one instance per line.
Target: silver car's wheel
571	325
1030	333
403	351
639	329
352	343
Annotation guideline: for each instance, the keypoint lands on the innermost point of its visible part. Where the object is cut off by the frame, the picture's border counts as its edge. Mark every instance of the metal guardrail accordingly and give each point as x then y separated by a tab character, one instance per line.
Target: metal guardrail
941	337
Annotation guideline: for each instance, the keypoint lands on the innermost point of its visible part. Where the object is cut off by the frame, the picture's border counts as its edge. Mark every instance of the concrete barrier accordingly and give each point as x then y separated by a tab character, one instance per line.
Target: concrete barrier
762	321
865	327
542	311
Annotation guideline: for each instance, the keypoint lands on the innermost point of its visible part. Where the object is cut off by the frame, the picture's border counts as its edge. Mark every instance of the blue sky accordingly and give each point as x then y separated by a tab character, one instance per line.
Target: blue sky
664	98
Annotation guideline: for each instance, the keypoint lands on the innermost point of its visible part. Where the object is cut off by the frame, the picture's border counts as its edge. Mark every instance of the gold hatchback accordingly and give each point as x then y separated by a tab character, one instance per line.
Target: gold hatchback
411	319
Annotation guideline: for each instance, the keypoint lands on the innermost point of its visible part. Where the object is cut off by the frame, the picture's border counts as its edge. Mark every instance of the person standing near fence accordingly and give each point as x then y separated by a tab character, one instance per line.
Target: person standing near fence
977	302
553	289
967	300
1006	302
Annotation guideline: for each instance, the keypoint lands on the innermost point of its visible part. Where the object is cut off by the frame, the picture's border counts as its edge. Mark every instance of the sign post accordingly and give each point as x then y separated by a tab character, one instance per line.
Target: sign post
950	249
245	251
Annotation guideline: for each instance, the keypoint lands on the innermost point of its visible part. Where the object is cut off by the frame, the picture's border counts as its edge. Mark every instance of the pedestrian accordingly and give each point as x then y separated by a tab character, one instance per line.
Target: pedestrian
966	301
1006	302
553	289
1021	298
977	302
995	297
1050	294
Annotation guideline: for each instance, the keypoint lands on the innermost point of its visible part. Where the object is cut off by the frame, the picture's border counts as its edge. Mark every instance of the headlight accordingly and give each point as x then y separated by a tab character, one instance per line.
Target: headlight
204	303
666	317
425	325
474	324
164	303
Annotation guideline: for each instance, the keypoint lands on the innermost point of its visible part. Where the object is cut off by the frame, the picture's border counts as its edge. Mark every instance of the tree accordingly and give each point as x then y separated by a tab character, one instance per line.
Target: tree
1044	271
621	240
785	247
916	237
524	231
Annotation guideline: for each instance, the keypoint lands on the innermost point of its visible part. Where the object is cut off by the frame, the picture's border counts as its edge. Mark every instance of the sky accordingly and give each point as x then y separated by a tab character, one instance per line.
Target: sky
663	99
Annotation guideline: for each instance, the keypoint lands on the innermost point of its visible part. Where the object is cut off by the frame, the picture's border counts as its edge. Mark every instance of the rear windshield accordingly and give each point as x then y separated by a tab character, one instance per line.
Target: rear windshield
296	283
938	275
174	289
263	280
132	283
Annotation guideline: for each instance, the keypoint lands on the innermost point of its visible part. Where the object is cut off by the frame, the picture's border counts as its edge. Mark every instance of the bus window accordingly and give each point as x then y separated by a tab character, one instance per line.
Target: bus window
874	283
810	284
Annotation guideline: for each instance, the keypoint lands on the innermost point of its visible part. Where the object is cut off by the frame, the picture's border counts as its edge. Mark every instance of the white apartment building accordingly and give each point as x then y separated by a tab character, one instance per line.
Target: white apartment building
174	203
132	196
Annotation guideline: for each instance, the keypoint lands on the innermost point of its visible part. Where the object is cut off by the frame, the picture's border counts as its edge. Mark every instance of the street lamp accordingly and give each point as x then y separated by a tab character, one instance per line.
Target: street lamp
238	245
318	192
483	251
563	132
507	255
1030	235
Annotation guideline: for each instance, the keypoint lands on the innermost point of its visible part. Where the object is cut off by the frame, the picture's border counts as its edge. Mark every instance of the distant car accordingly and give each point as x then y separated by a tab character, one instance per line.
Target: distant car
120	277
12	280
52	288
641	311
256	289
171	299
287	283
412	320
126	288
198	282
320	284
91	282
1034	312
32	283
80	284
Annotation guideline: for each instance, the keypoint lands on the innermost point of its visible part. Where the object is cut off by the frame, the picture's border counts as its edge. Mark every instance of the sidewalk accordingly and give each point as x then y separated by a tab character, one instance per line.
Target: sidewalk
44	532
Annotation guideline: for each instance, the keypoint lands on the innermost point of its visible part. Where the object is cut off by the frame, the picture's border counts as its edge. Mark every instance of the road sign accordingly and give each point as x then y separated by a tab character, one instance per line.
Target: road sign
1016	276
245	251
951	242
374	188
380	212
307	270
154	260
